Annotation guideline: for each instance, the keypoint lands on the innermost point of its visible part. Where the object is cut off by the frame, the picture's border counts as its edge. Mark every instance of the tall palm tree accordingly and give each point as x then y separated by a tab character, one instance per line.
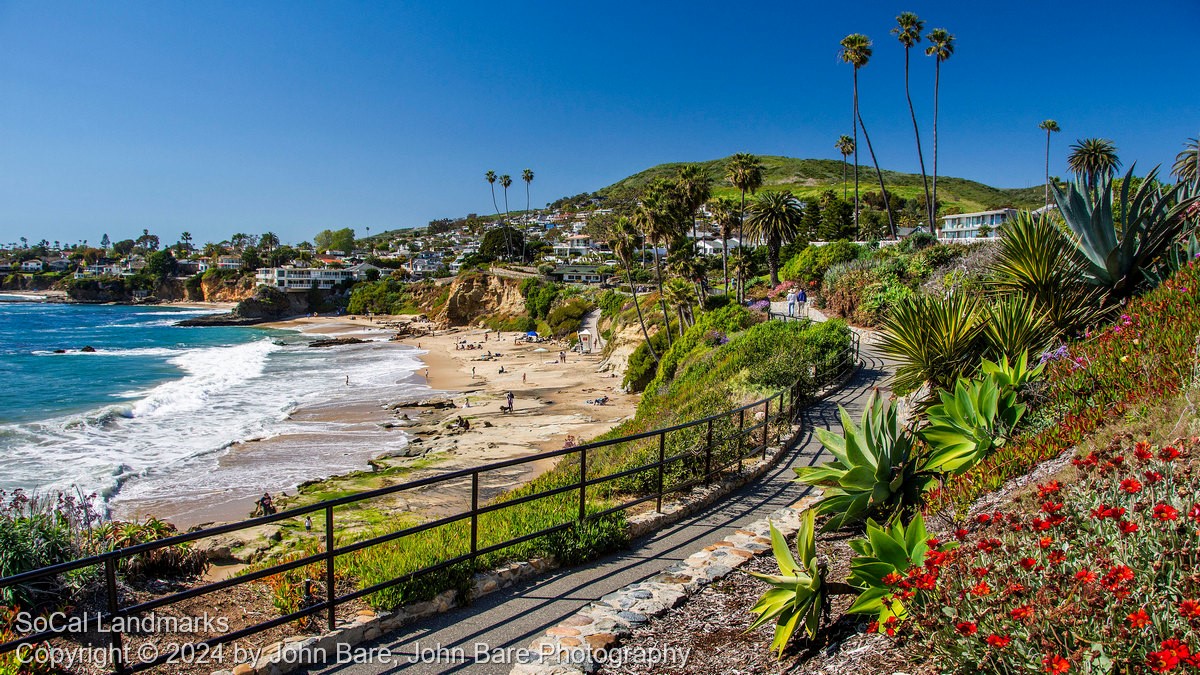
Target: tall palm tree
697	188
741	264
775	219
1187	162
941	47
845	145
1093	158
527	176
746	173
662	217
679	293
622	238
1049	126
725	215
856	50
908	32
490	176
506	182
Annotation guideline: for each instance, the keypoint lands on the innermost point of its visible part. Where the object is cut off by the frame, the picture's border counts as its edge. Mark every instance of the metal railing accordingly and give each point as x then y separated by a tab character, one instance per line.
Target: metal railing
746	431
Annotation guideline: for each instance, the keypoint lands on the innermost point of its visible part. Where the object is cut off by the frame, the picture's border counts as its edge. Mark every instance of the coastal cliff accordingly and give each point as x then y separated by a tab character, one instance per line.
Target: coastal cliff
266	304
220	287
478	296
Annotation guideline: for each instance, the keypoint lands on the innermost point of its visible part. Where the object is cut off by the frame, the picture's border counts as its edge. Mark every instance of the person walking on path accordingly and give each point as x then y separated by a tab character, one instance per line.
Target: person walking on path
510	401
802	299
791	303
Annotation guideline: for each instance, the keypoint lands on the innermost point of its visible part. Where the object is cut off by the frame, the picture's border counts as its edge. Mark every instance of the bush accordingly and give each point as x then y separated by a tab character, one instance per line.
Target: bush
539	296
810	265
567	318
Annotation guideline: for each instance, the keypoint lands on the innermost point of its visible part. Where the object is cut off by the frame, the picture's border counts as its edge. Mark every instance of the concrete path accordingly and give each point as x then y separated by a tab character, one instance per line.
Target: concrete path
512	618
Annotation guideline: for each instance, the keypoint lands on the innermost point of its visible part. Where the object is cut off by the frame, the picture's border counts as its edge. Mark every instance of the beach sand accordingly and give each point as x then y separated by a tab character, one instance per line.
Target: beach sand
550	402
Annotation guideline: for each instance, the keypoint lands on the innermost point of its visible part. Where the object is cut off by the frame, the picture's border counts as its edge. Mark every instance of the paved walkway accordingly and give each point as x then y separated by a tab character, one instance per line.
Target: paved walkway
510	619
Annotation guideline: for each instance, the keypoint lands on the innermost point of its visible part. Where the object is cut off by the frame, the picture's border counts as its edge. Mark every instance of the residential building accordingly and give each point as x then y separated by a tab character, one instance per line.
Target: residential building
294	279
229	262
7	265
974	225
59	265
34	265
581	274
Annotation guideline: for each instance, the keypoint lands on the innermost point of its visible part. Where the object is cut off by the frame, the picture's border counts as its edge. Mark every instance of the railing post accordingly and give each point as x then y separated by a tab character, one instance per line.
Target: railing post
708	452
741	437
110	582
583	485
330	591
474	512
662	457
766	426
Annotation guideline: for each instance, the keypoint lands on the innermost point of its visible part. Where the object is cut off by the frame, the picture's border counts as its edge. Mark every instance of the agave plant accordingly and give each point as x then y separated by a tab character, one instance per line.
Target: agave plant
968	423
935	340
1114	258
797	596
1013	376
886	551
1180	254
873	472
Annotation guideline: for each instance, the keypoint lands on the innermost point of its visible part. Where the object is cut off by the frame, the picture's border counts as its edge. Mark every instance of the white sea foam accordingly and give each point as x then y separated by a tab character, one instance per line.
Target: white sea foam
167	440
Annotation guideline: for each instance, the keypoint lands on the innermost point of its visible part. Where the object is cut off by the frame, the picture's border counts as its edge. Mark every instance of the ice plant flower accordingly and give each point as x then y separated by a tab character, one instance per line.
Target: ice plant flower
1138	619
998	641
1165	512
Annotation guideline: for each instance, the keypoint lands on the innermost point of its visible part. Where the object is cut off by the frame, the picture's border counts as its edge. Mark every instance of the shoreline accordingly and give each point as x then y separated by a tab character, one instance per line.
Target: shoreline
550	407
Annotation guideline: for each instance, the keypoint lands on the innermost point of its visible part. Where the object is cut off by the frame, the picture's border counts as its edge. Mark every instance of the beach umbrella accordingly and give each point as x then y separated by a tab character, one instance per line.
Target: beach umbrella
541	349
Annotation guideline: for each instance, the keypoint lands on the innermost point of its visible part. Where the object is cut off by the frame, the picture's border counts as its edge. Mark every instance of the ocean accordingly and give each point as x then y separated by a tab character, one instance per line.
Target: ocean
162	418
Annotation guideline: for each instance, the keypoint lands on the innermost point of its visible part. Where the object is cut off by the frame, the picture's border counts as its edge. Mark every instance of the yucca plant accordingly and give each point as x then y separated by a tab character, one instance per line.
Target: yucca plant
1016	326
968	423
1038	264
873	473
797	595
935	340
1113	258
887	551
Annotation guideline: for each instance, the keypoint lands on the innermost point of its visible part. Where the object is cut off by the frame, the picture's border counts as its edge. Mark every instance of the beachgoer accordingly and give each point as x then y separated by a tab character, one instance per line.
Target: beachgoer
791	303
426	374
472	372
265	505
522	378
501	370
347	380
466	425
510	400
308	523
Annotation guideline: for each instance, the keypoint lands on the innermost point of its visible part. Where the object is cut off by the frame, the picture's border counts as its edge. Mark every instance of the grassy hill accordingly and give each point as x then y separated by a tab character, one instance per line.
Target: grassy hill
811	177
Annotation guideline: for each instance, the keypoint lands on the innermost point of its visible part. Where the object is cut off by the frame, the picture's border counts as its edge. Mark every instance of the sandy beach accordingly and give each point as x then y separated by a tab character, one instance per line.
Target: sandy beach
550	401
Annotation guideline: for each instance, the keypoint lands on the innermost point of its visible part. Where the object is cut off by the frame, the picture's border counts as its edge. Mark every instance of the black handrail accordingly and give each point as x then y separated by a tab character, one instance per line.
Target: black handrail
786	409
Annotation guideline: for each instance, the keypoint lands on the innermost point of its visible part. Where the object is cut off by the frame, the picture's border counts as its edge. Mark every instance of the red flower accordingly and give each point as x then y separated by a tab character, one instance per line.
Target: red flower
1190	609
1142	450
1153	476
892	579
1056	557
989	545
961	533
1194	513
966	627
1127	527
1138	619
1040	525
933	542
1028	563
1161	662
1055	664
1085	575
983	518
1131	485
981	589
998	641
1052	507
1165	512
1045	542
1168	453
1106	511
1021	613
1048	489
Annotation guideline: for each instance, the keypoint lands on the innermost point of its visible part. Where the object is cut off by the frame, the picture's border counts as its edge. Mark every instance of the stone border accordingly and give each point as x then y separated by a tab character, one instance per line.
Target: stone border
301	651
569	647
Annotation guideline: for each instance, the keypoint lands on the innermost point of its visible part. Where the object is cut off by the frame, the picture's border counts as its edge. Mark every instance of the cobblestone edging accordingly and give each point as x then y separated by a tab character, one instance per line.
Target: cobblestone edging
301	651
570	647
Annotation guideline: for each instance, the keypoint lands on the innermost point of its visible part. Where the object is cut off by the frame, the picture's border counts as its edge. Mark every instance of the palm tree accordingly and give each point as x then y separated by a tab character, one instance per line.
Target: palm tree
746	173
506	182
741	264
941	47
527	176
186	238
1049	126
490	176
623	237
845	145
697	188
1092	159
1187	162
856	50
725	215
774	219
679	293
908	32
663	217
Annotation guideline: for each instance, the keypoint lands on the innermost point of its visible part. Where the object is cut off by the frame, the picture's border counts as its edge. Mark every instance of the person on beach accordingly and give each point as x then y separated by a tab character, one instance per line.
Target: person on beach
791	303
347	380
266	506
522	378
510	398
426	374
472	372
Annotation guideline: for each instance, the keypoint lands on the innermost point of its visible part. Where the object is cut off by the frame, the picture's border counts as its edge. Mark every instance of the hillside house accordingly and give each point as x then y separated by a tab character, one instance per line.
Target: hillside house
975	225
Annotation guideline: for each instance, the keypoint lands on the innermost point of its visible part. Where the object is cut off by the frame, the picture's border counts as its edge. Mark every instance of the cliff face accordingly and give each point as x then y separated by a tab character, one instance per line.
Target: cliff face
25	282
476	296
222	289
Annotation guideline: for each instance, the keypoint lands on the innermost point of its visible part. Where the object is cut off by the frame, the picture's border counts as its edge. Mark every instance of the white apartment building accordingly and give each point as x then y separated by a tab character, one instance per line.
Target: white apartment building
972	225
299	280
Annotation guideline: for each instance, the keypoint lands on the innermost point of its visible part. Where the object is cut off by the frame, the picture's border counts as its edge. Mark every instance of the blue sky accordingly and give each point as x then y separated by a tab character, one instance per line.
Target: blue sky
219	117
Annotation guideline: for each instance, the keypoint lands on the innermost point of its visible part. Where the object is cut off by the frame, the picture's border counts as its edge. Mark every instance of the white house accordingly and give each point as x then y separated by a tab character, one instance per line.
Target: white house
297	280
34	265
973	225
229	262
714	246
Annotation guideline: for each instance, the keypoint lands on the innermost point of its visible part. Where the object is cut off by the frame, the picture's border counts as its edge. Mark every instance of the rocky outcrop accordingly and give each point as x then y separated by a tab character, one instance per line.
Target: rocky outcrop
267	304
336	342
222	288
26	282
476	296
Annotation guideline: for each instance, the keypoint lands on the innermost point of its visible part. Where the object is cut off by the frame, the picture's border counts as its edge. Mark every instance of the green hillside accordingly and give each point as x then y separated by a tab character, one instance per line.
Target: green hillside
811	177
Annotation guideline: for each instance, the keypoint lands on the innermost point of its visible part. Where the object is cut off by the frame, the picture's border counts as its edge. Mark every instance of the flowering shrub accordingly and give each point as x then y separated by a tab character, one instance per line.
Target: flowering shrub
1101	578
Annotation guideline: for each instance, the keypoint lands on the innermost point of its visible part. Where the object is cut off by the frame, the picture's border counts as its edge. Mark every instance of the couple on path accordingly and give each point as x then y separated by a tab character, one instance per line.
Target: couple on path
794	298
